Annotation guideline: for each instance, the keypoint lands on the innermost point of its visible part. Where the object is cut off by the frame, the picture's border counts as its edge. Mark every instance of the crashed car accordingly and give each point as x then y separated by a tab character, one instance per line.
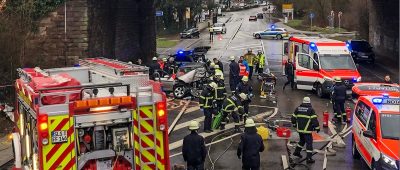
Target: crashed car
168	81
198	54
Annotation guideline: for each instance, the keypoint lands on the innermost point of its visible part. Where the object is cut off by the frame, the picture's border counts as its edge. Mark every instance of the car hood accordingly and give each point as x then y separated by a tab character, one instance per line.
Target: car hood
341	73
257	32
391	148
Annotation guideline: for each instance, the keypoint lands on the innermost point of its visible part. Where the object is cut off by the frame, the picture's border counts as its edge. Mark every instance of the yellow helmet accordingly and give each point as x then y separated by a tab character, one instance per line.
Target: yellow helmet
212	65
245	78
216	66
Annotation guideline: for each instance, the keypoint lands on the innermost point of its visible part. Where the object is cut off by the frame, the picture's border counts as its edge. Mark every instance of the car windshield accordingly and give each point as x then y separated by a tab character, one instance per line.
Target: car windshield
337	61
360	46
218	25
390	125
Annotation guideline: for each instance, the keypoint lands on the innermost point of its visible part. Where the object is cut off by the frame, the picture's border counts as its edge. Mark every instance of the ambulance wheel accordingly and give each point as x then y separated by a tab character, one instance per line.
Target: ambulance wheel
319	91
354	151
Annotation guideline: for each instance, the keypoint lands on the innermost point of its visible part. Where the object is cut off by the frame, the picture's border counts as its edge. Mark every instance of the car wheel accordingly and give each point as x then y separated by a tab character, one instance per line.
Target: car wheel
319	91
179	91
258	36
279	37
354	151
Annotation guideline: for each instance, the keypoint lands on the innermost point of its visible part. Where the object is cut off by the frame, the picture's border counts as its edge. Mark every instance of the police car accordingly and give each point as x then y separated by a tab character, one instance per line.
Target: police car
376	131
278	33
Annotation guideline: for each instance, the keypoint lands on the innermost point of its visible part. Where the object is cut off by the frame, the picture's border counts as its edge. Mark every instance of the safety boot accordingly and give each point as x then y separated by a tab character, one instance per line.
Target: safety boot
310	161
297	154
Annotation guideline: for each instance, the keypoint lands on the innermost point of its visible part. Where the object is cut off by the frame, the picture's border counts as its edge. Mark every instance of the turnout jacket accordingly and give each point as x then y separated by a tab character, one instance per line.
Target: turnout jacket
304	119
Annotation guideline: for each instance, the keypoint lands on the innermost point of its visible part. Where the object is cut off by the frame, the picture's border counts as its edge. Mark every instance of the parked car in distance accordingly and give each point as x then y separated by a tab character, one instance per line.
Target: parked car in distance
277	33
260	15
219	28
190	33
253	18
361	50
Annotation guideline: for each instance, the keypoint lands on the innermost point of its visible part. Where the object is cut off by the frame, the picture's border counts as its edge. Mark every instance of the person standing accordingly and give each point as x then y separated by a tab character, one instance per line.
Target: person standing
230	106
193	148
245	87
220	91
251	58
206	105
211	30
306	121
289	71
250	146
387	80
154	68
339	98
261	62
233	73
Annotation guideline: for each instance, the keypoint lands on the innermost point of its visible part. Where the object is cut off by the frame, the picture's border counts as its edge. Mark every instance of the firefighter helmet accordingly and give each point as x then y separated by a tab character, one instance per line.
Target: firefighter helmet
154	58
337	79
231	58
243	96
194	125
249	123
306	100
245	78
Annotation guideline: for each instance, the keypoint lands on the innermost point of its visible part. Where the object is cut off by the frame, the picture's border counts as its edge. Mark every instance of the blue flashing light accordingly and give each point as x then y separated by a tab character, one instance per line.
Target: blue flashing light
313	47
377	100
77	65
385	95
354	79
272	26
348	46
180	52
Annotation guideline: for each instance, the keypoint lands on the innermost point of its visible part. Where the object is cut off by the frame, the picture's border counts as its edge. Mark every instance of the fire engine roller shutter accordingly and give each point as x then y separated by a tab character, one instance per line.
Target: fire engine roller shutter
60	155
147	141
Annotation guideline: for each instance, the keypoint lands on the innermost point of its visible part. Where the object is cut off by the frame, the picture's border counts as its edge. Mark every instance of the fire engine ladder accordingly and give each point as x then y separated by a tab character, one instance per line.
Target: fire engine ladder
112	67
144	92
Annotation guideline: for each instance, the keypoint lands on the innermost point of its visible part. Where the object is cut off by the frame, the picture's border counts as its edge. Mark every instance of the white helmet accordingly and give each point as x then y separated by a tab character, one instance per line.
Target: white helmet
216	66
249	123
231	58
194	125
243	96
154	58
213	85
306	100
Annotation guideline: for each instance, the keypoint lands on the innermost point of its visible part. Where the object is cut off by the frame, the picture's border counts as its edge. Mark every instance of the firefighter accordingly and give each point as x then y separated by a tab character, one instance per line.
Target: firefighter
250	146
305	120
251	58
220	91
211	69
387	80
230	106
154	68
233	73
219	63
245	87
339	98
193	148
289	71
261	62
206	105
211	30
171	66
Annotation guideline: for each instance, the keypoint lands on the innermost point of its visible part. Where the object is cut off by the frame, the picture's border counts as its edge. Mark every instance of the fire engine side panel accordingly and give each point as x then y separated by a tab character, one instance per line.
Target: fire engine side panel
59	153
143	133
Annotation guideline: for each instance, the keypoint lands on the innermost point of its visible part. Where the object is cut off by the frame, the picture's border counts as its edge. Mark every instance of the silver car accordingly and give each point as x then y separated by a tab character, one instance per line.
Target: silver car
168	81
219	28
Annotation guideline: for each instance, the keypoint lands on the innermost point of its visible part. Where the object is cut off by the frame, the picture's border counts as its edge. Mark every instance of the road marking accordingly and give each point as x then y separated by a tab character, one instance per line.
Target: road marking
186	124
248	45
178	117
245	48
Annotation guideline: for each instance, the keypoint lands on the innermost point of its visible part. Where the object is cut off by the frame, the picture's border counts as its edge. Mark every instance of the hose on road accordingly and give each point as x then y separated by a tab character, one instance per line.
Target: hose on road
220	155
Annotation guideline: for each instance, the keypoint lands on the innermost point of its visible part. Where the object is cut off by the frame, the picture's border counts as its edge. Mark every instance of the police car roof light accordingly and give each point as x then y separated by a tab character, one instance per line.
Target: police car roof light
180	52
348	46
377	100
354	79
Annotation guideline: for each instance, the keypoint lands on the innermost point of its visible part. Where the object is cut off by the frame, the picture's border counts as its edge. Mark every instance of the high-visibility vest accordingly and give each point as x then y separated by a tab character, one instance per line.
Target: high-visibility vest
250	58
262	61
242	71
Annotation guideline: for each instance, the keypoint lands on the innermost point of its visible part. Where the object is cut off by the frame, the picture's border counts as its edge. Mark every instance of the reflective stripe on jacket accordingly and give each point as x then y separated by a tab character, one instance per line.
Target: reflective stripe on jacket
305	119
206	98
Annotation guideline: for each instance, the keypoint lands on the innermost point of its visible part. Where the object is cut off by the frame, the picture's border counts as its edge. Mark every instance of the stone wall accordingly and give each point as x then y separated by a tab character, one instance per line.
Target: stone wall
121	29
384	27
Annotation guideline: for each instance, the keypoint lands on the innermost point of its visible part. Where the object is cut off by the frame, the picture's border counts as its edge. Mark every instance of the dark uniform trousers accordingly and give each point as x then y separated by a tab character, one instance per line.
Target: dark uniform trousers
195	167
305	138
207	118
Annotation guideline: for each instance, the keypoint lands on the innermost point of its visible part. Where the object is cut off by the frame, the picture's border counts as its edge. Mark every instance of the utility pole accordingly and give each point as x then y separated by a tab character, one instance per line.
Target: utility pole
340	17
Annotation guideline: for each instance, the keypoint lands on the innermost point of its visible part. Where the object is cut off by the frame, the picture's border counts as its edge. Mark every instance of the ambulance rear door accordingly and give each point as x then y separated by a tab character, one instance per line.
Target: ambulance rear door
307	71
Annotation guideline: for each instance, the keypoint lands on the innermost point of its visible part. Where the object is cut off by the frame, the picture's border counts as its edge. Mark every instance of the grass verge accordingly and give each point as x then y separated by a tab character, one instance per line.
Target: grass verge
166	43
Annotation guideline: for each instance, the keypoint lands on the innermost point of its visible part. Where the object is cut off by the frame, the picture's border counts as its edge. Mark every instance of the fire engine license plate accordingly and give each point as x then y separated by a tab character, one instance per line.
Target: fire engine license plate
59	136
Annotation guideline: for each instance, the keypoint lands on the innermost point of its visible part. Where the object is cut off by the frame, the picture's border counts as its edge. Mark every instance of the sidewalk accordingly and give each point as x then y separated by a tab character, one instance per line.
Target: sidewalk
6	153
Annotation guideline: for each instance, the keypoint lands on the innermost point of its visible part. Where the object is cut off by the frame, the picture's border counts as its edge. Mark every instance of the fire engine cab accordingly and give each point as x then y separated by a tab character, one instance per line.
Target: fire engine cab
317	60
100	114
376	131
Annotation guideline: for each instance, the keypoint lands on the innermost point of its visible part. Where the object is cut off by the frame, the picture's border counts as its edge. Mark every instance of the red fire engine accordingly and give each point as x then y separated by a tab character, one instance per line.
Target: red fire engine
317	60
102	114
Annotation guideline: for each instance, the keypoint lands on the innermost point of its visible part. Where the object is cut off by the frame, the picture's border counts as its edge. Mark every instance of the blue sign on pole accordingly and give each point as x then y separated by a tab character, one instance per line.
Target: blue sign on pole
312	15
159	13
